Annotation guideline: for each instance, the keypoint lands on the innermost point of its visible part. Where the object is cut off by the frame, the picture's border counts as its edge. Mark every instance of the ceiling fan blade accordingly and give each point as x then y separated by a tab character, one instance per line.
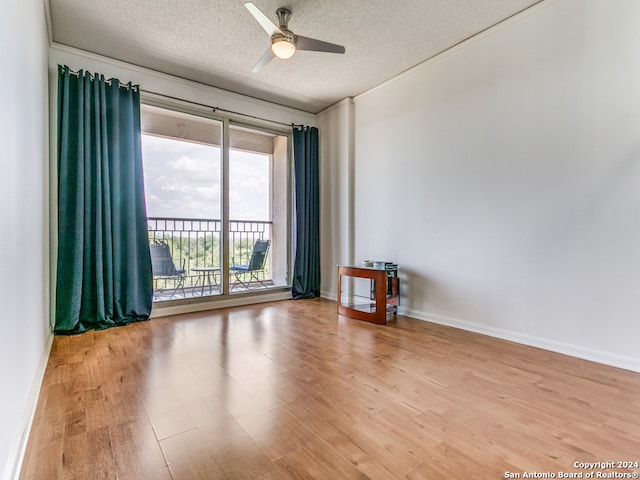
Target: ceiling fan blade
266	58
269	27
306	43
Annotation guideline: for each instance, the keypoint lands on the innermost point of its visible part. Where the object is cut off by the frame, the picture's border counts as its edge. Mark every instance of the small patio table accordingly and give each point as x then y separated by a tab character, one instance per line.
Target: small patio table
207	274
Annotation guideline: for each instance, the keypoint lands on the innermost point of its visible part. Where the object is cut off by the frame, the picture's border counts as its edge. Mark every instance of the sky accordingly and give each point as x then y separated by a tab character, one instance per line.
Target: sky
182	180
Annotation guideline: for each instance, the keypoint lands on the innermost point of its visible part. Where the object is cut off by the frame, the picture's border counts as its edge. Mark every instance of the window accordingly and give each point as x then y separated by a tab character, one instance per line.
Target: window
189	187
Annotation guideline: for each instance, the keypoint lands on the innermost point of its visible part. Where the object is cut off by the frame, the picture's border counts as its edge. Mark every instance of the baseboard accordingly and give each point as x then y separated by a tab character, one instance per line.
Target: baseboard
329	296
16	455
163	311
599	356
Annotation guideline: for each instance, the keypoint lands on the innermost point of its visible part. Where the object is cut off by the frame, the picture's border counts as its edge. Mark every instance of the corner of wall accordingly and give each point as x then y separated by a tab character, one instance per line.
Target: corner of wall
19	446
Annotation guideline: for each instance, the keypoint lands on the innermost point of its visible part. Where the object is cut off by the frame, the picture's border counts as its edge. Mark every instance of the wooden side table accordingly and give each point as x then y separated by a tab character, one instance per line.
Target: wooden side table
384	294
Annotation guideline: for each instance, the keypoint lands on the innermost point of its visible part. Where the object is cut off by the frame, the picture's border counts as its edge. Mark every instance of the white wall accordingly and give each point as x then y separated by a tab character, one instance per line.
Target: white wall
24	324
504	176
336	192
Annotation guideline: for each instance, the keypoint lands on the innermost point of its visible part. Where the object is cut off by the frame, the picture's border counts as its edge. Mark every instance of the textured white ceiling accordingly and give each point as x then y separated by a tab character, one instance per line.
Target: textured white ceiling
217	42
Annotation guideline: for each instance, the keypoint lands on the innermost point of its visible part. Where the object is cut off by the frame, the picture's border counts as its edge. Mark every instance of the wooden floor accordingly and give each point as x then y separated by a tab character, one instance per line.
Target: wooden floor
291	390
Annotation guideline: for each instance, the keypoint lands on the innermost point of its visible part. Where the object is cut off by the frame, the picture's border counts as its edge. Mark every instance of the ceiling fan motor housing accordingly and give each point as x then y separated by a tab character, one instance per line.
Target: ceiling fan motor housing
283	15
283	44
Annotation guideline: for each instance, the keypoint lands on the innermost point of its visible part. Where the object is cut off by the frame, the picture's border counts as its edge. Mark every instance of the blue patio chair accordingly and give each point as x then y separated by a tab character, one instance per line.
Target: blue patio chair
164	268
256	265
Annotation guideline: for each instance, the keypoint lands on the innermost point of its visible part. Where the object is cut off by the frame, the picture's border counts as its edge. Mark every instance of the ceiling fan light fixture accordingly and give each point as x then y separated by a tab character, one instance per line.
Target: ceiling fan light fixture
284	42
283	48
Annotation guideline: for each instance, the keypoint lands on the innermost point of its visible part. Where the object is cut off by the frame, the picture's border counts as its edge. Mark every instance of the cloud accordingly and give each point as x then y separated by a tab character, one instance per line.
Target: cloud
182	180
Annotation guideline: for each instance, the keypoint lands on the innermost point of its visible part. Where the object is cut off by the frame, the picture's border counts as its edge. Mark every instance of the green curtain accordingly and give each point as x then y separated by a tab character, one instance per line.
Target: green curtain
104	274
306	268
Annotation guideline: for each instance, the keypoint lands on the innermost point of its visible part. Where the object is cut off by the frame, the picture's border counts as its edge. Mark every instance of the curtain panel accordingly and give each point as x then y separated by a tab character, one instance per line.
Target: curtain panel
306	268
104	274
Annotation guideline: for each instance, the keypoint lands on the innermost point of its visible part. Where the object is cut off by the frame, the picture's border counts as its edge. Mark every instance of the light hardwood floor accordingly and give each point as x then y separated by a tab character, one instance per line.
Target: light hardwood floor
291	390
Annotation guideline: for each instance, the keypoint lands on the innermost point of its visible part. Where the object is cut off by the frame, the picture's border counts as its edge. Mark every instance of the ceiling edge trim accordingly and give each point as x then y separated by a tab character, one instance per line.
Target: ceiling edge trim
47	17
336	105
533	9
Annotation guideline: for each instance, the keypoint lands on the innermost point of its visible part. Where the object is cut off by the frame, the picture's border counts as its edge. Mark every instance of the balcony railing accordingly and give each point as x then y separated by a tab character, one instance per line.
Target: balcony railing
195	243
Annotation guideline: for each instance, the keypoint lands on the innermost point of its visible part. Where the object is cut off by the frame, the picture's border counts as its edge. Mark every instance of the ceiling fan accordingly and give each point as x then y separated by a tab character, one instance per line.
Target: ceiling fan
284	42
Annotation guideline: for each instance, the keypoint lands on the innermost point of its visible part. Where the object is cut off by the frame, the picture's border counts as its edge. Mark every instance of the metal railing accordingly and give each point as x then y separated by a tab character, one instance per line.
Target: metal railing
195	243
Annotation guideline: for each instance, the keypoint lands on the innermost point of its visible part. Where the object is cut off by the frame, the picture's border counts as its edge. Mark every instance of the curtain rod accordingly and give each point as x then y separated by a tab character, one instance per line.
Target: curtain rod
92	76
224	110
214	109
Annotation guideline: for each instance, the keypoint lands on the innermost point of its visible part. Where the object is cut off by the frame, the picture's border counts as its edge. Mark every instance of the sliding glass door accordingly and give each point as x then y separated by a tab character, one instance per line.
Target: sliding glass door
258	212
192	179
